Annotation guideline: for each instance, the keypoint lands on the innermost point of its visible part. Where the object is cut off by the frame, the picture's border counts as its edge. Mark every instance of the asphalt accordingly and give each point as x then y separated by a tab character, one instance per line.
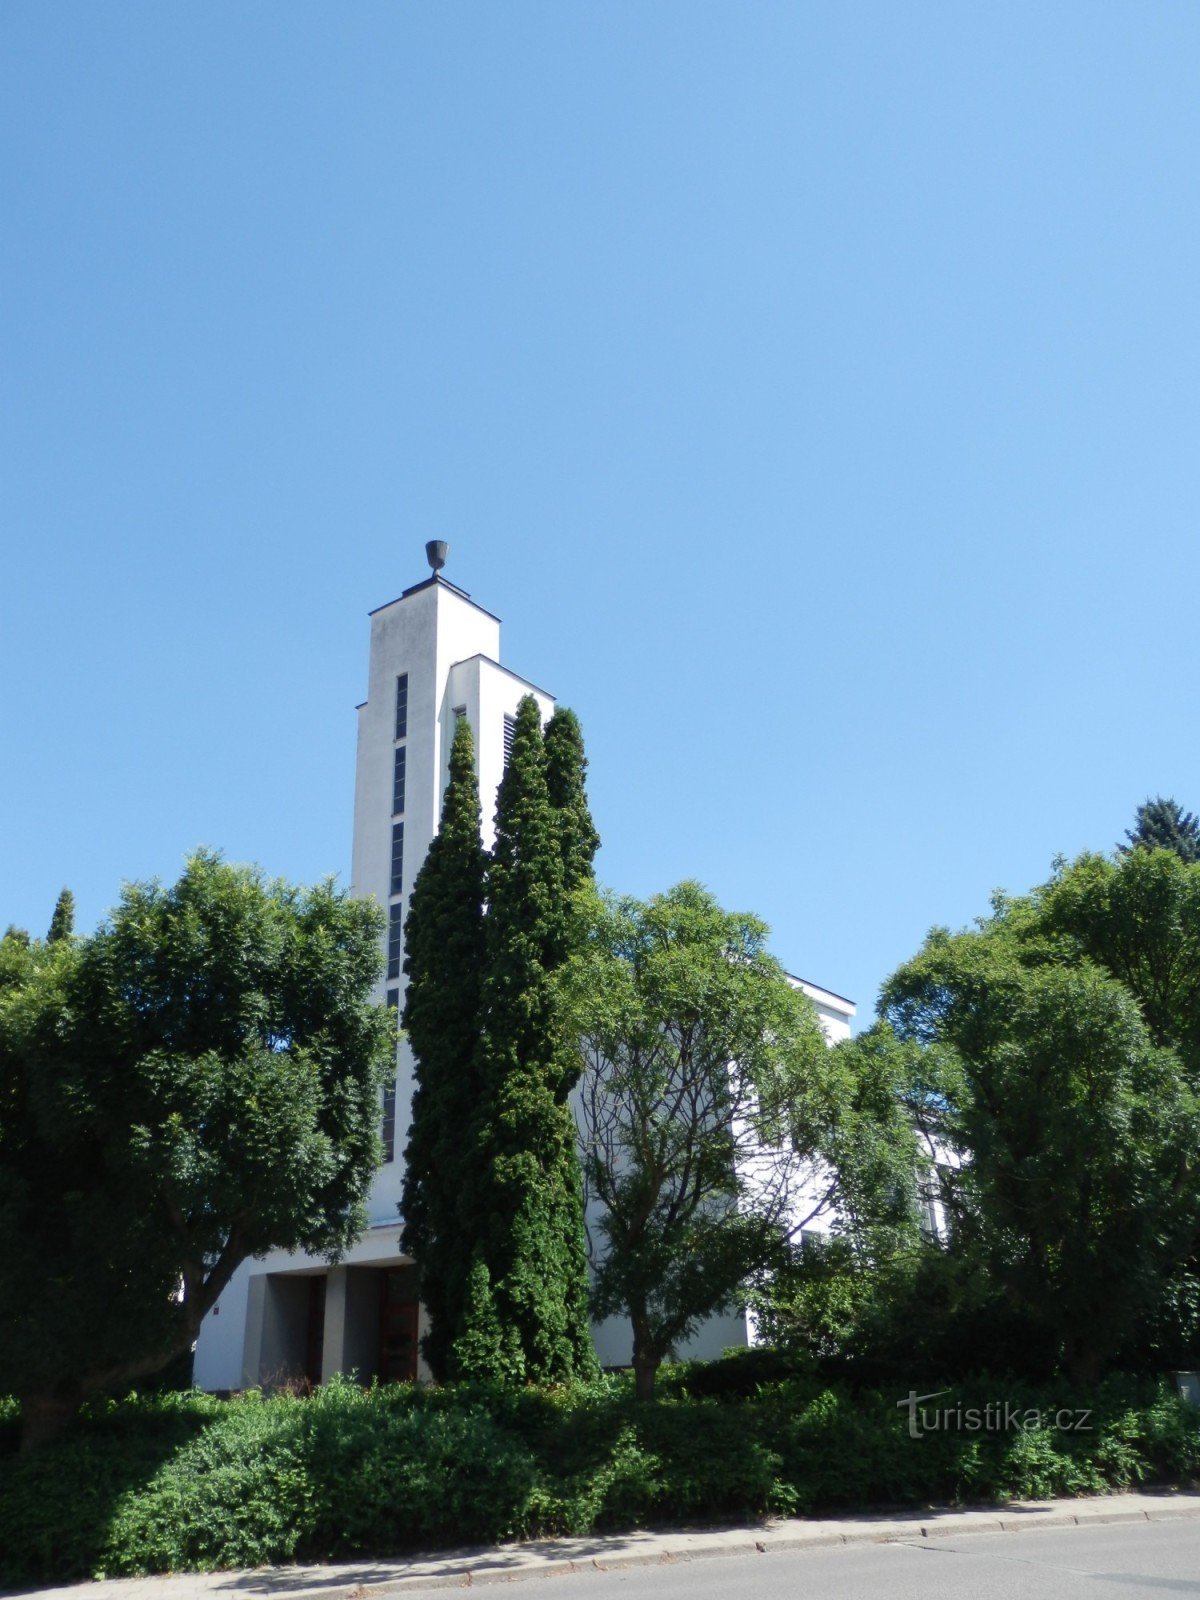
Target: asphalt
358	1580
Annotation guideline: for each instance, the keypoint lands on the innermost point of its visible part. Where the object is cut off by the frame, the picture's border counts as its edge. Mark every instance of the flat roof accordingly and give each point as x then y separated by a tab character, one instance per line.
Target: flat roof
820	987
508	672
429	583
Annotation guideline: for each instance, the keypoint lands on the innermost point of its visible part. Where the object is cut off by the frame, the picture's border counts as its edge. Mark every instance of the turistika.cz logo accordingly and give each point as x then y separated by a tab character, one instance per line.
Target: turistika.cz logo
997	1416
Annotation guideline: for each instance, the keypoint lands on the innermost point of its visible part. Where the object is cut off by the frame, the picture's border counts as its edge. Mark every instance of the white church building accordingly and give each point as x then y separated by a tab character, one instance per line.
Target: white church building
434	656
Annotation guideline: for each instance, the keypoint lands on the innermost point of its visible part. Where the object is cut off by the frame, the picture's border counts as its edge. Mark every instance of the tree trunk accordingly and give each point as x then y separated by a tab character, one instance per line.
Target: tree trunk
45	1416
645	1361
1084	1361
644	1373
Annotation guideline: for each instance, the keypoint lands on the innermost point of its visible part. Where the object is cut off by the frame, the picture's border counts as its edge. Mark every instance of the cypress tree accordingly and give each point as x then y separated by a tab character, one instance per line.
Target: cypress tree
530	1314
62	923
566	767
444	954
484	1349
1164	825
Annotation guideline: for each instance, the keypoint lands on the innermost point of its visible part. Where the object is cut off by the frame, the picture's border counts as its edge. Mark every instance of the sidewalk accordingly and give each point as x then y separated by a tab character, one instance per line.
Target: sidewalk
357	1580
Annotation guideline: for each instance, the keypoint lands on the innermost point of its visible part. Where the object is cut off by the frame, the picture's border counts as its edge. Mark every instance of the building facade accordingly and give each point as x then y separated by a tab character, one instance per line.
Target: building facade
434	657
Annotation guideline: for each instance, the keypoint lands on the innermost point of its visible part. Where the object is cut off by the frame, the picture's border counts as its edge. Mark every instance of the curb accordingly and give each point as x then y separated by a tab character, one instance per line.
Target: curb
469	1568
768	1540
787	1537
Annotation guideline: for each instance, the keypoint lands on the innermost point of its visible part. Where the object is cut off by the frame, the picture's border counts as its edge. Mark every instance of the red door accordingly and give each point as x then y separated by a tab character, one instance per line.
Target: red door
398	1313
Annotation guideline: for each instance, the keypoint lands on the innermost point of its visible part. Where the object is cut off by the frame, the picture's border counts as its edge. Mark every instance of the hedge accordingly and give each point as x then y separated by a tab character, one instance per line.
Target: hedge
177	1482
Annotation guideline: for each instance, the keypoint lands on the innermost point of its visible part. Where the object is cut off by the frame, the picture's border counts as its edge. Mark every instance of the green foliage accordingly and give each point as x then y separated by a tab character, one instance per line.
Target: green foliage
707	1090
186	1482
566	770
444	961
918	1316
878	1146
523	1199
1167	1337
485	1348
1164	825
1062	1051
492	1204
195	1083
1139	920
815	1299
62	923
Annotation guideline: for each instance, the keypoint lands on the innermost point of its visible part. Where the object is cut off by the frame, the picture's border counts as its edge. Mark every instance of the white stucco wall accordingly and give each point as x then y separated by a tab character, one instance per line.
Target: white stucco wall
423	634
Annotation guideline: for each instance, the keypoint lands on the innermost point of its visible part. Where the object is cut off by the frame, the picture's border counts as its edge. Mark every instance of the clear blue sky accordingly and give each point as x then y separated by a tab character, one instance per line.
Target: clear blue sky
811	388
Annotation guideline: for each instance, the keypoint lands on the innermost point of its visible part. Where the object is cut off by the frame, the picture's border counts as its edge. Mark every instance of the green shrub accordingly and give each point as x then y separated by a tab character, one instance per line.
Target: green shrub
241	1494
394	1473
57	1506
177	1482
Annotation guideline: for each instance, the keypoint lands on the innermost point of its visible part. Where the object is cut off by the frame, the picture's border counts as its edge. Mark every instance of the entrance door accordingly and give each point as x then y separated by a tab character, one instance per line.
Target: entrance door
397	1328
314	1351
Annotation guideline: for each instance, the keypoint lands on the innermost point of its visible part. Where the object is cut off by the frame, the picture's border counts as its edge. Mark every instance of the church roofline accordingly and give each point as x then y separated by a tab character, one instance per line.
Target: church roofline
429	583
821	989
507	671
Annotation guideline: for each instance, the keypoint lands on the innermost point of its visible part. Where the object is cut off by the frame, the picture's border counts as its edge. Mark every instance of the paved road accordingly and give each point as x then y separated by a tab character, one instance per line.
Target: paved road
1121	1545
1155	1560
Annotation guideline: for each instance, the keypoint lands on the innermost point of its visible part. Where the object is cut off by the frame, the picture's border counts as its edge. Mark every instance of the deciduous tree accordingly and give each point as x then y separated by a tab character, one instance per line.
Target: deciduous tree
1066	1027
194	1084
706	1092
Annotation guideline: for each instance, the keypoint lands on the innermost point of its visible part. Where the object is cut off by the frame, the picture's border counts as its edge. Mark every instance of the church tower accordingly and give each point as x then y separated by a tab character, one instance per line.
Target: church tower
434	657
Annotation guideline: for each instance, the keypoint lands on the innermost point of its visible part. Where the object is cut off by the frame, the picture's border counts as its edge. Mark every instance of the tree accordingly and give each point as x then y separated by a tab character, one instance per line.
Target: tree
706	1093
566	769
194	1084
1164	825
1066	1035
444	958
524	1202
1139	919
62	923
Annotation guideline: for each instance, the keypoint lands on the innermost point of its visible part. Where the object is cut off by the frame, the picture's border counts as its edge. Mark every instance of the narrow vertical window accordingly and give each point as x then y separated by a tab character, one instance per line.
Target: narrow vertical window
395	945
387	1130
398	770
402	706
397	858
510	731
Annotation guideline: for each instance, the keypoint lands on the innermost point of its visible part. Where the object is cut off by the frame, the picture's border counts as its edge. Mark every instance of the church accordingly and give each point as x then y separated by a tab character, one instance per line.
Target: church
434	657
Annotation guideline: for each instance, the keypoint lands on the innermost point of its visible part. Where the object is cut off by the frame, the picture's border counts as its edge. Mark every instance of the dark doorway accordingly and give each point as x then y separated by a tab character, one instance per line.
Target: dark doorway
314	1343
398	1313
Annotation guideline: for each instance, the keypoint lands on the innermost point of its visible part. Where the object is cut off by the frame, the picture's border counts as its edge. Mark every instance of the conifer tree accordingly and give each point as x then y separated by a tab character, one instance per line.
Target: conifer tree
566	766
526	1201
62	923
444	944
484	1349
1164	825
